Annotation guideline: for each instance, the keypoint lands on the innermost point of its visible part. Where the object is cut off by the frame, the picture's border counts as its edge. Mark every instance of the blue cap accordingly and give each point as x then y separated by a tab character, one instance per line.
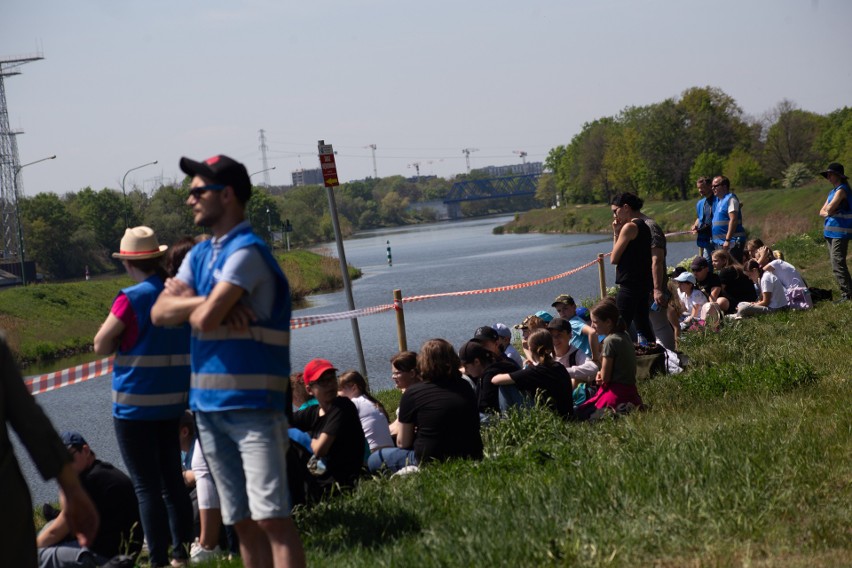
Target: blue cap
72	438
583	312
545	316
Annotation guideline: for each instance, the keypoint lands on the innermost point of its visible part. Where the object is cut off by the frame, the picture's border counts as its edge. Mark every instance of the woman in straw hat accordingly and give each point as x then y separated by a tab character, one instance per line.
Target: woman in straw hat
149	393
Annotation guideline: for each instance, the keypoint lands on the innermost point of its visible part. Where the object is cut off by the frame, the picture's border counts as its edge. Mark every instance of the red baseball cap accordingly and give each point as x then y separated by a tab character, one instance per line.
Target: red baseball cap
315	368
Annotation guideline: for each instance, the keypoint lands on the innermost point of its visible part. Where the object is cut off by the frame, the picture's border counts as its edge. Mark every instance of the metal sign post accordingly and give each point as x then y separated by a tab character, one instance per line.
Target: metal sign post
329	176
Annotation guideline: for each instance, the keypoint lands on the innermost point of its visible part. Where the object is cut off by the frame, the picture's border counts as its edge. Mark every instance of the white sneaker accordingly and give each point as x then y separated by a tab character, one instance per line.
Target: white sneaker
199	554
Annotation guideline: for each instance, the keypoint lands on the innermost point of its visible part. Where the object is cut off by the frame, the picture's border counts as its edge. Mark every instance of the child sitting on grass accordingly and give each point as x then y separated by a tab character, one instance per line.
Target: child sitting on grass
617	377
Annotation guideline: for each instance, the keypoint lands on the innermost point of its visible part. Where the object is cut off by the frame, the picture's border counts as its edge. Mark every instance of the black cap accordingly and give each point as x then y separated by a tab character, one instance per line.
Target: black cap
560	324
699	262
486	332
473	350
221	170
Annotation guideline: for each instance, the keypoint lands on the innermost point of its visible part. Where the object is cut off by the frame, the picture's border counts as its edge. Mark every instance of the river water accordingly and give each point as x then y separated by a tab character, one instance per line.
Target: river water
427	259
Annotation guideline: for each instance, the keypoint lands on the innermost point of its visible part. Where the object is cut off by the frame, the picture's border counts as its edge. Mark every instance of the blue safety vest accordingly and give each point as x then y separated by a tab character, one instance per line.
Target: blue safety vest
247	369
704	213
721	220
151	379
839	225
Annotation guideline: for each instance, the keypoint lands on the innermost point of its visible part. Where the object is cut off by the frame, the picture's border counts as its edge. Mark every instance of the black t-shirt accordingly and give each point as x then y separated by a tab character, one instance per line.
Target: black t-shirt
739	290
710	282
112	493
552	381
634	267
445	418
488	394
345	458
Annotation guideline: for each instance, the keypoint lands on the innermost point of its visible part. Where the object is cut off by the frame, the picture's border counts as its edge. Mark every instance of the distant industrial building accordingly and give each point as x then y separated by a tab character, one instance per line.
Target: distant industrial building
307	177
513	170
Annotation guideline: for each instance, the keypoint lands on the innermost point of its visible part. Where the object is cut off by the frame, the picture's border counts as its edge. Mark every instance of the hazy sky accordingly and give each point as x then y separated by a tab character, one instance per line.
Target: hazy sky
125	83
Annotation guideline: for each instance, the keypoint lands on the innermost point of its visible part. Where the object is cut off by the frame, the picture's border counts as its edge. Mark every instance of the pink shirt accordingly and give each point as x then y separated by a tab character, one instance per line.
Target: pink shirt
122	309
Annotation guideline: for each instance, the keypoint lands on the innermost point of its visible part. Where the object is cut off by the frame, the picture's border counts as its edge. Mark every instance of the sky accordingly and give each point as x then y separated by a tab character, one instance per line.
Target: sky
125	83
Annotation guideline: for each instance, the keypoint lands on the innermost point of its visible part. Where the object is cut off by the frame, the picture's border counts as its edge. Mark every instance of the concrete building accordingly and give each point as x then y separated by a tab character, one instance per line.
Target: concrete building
307	177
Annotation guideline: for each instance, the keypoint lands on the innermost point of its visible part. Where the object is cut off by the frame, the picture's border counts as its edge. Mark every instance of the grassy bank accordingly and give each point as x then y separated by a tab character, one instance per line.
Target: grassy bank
742	460
49	321
770	214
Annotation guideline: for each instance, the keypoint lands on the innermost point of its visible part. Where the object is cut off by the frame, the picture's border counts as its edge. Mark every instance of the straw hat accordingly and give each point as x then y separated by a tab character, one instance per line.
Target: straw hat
139	243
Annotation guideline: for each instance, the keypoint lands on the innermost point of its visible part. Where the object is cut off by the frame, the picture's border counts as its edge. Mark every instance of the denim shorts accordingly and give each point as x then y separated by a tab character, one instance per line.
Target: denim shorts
246	453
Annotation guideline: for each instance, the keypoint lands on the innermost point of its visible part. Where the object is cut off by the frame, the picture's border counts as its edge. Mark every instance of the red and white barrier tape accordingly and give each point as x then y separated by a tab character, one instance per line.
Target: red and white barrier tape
38	384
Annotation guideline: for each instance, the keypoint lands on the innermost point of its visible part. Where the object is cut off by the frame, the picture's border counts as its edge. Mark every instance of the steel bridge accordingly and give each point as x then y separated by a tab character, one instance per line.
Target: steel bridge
492	188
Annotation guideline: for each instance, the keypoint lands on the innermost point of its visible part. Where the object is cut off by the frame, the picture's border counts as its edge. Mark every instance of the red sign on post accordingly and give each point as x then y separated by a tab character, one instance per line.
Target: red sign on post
327	165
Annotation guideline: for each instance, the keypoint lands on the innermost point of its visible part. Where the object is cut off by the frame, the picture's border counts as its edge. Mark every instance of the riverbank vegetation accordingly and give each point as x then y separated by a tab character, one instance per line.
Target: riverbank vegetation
770	214
48	321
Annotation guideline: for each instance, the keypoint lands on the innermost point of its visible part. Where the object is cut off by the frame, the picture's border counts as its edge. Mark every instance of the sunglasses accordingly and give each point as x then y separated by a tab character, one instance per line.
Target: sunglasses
197	192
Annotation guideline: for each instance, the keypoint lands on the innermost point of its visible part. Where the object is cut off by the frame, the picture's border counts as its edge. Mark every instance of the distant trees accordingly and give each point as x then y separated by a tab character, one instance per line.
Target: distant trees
660	149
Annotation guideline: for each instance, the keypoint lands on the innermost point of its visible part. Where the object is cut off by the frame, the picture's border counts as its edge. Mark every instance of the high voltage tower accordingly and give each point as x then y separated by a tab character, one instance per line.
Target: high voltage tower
263	149
9	163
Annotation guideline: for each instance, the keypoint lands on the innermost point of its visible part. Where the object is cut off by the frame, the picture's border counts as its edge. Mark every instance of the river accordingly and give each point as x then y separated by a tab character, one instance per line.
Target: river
427	259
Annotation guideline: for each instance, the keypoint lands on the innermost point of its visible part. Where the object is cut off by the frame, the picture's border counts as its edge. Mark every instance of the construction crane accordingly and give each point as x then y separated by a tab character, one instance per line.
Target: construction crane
416	166
466	153
522	154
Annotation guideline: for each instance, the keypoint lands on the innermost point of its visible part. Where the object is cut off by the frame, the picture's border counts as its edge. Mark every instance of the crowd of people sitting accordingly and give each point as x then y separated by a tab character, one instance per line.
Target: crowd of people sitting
581	364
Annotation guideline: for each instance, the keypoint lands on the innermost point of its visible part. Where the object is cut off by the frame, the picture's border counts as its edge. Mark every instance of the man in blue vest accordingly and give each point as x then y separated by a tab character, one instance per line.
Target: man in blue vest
237	301
728	232
702	227
837	212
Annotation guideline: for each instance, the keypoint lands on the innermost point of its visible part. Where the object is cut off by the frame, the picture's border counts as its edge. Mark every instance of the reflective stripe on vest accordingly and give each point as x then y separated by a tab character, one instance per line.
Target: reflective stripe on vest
179	360
167	399
265	335
210	381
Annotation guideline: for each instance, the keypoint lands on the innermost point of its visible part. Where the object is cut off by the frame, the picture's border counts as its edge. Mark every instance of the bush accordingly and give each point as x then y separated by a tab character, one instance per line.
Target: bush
796	175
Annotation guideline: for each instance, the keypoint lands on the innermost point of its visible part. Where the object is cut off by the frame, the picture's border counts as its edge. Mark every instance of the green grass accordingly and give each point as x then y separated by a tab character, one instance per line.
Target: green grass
744	459
770	214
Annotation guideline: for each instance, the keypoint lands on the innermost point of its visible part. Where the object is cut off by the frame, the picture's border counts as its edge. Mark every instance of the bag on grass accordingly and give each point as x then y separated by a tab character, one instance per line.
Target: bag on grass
798	297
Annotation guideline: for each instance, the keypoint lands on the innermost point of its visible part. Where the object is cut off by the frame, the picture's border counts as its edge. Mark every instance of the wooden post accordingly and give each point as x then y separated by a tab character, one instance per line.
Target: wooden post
400	320
602	275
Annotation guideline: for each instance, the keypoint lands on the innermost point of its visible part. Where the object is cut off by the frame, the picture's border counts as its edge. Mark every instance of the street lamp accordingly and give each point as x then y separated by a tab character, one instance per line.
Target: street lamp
261	171
18	216
126	224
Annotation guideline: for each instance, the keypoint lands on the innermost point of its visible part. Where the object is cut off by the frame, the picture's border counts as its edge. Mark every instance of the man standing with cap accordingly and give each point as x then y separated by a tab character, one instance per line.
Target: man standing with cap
837	212
237	301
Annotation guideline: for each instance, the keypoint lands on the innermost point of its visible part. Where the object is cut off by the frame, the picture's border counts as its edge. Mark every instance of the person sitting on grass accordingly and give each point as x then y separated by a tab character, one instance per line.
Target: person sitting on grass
736	286
438	418
581	368
506	343
789	276
373	416
772	295
690	297
583	336
480	365
617	378
529	325
403	374
547	378
337	438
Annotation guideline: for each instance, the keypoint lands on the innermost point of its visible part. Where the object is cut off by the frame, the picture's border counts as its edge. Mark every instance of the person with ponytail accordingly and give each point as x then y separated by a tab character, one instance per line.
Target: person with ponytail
772	294
371	412
617	377
546	377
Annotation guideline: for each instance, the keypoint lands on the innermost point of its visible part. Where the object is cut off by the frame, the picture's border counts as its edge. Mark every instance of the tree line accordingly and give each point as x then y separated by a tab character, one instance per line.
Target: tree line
659	150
